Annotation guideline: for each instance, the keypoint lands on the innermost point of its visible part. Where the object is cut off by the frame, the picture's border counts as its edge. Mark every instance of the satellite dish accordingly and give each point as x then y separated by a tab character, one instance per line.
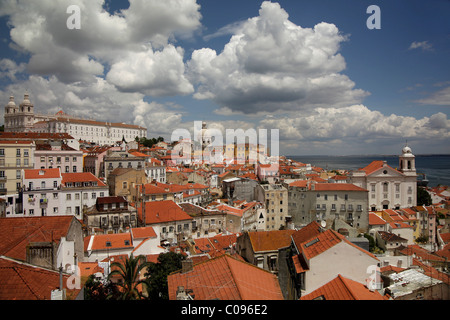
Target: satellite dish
323	223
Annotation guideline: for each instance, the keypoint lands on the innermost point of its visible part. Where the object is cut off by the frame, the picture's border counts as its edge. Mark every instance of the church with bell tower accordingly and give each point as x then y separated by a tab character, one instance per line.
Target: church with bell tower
388	187
19	118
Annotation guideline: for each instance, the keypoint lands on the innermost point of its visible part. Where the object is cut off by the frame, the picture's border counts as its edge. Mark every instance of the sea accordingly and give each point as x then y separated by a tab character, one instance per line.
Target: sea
435	168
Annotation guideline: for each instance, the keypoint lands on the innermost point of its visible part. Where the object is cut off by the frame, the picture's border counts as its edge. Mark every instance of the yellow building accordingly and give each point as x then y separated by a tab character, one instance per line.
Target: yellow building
14	156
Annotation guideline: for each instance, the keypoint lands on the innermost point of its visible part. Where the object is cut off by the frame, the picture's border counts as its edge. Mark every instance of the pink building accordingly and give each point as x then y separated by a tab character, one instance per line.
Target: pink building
57	154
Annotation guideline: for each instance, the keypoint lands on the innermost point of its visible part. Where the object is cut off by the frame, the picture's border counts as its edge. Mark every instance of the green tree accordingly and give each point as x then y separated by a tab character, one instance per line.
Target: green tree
150	142
422	239
129	271
423	197
96	290
156	276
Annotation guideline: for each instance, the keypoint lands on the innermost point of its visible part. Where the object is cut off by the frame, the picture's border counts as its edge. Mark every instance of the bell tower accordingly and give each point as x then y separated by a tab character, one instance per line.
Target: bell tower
407	161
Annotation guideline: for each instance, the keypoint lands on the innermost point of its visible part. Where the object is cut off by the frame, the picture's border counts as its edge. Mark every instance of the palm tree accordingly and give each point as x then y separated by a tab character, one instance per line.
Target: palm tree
129	271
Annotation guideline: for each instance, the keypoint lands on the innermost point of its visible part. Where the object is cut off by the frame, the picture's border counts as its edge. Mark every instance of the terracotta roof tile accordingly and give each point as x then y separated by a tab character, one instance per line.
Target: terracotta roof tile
299	183
42	173
270	240
81	177
342	288
111	241
337	187
375	219
143	232
21	281
307	232
226	278
16	233
374	166
162	211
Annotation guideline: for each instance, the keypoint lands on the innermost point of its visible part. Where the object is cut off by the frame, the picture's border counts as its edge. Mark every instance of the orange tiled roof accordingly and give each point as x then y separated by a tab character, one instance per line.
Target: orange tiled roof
270	240
143	232
34	135
21	281
299	183
421	252
226	278
307	232
162	211
374	166
391	268
111	241
81	177
342	288
15	142
42	173
324	241
152	189
17	233
337	187
375	219
88	268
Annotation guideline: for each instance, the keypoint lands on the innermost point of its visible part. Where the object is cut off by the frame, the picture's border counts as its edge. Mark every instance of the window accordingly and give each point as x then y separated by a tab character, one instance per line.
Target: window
17	152
74	159
55	196
2	152
55	184
67	169
124	185
74	169
68	196
2	174
77	196
42	184
94	195
42	159
25	152
18	174
55	210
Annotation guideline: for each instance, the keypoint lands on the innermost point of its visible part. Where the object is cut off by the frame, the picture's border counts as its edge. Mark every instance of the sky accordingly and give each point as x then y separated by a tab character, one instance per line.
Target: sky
314	70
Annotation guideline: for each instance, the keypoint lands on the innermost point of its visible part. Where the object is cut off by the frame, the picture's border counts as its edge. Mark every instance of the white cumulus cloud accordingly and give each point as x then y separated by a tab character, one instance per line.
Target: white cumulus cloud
272	64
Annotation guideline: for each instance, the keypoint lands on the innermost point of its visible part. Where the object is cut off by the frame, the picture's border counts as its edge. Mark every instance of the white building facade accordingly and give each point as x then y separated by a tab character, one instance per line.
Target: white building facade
389	188
23	119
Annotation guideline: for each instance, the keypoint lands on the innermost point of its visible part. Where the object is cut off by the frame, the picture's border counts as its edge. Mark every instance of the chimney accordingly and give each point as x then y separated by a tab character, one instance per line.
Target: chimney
187	265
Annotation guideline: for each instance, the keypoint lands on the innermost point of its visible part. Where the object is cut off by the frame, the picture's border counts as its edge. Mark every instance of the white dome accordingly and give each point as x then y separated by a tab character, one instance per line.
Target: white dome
11	102
26	100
